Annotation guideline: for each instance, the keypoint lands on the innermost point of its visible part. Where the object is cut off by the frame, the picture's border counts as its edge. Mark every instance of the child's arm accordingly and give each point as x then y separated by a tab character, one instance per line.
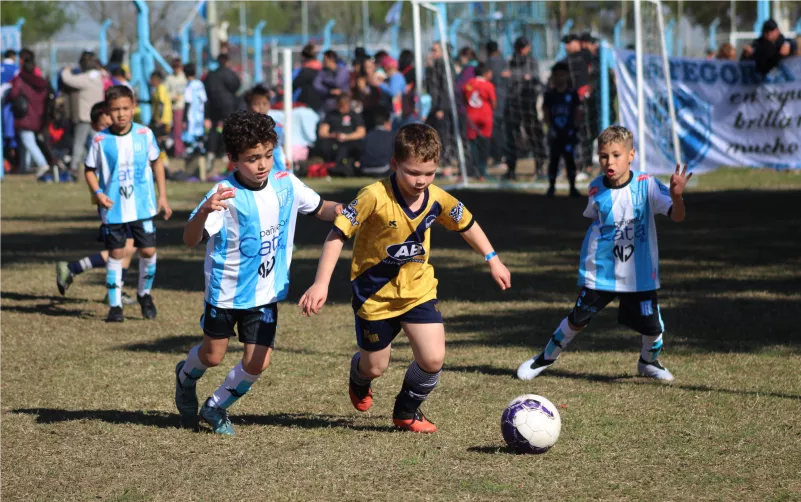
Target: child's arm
94	186
330	210
477	239
193	231
677	183
314	298
158	174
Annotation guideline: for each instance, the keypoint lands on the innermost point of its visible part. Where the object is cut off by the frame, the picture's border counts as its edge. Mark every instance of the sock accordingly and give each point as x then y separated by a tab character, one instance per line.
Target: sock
124	275
417	385
87	263
193	369
651	347
558	342
114	282
356	375
236	385
147	272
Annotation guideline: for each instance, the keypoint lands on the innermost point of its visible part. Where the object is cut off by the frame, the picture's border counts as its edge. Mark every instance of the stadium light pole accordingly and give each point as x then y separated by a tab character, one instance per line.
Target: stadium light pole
214	36
641	135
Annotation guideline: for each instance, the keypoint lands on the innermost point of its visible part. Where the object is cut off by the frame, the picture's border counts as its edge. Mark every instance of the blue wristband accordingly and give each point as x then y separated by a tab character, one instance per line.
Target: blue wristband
490	256
98	191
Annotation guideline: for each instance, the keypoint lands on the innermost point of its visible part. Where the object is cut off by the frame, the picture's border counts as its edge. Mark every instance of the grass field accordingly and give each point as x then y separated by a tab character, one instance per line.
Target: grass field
87	408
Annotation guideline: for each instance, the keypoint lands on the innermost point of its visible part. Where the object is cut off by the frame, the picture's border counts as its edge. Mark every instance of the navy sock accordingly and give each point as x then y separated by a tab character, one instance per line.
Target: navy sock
88	263
124	275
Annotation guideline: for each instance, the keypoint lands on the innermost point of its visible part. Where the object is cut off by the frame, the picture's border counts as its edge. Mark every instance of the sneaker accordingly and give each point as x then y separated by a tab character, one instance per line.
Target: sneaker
362	399
148	308
45	178
551	192
186	400
653	370
418	423
115	315
126	299
217	418
574	192
533	367
63	277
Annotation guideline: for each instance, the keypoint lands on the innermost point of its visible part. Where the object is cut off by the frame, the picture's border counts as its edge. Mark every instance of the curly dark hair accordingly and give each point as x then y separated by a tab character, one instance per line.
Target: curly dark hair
243	130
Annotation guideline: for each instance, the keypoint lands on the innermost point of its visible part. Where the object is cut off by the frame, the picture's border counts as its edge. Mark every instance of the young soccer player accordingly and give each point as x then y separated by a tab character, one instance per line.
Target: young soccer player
393	284
619	257
257	100
120	169
563	116
479	96
66	272
249	220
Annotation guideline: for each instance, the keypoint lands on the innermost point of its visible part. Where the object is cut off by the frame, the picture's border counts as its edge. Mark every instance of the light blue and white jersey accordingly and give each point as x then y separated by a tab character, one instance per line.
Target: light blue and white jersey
122	164
195	97
620	252
250	242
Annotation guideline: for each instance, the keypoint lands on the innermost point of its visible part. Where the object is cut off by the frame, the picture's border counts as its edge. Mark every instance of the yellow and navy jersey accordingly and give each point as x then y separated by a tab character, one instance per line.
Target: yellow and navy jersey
390	273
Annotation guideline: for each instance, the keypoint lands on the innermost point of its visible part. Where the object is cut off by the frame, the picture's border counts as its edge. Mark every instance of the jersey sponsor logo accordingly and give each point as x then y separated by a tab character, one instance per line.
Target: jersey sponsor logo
457	212
250	247
265	268
99	138
405	252
642	177
142	130
283	197
273	229
593	191
282	174
127	192
354	203
624	253
351	214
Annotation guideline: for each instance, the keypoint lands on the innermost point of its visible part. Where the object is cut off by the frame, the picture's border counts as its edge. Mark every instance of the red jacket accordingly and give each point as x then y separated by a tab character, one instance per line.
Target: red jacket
34	88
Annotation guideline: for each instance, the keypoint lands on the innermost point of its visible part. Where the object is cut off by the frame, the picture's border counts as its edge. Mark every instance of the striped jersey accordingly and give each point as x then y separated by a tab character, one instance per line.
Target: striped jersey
249	249
620	252
390	273
122	164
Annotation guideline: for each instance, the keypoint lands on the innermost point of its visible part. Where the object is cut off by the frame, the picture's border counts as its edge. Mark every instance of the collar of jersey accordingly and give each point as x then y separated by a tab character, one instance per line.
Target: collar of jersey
399	197
118	134
624	185
239	182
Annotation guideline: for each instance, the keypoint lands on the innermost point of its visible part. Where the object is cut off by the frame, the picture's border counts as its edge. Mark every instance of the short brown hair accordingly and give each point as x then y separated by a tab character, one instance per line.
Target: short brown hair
616	134
418	142
117	92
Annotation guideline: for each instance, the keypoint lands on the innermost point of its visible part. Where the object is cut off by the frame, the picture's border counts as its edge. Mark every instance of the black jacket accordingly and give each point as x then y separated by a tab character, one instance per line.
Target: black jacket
766	53
221	87
304	81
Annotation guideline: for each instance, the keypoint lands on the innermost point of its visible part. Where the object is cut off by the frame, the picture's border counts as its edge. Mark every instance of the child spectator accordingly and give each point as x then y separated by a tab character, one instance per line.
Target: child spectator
480	102
377	153
563	116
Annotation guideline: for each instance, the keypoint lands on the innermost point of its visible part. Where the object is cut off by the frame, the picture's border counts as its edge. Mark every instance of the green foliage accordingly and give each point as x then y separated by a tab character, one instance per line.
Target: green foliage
42	19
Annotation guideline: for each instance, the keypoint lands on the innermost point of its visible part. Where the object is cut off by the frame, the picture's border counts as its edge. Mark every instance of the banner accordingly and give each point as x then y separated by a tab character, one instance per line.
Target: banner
726	114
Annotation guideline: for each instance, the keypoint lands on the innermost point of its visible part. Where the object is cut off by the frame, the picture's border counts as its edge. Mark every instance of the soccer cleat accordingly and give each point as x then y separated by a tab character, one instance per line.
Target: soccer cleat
148	308
185	400
418	423
653	370
533	367
217	418
361	399
115	315
63	277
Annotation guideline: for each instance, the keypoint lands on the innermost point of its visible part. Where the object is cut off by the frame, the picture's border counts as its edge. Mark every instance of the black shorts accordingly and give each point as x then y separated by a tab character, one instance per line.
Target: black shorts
376	335
101	232
143	233
256	325
639	311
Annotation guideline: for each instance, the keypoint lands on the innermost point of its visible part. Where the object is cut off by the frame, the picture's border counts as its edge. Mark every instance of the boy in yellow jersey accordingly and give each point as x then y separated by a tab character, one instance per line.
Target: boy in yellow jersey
393	284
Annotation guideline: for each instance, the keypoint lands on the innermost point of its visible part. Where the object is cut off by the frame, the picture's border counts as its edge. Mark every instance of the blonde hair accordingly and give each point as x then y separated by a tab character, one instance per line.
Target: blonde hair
616	134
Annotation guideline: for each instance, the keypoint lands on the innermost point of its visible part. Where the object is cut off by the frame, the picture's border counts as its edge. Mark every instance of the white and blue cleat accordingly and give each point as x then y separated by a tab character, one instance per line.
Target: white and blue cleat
653	370
532	368
217	418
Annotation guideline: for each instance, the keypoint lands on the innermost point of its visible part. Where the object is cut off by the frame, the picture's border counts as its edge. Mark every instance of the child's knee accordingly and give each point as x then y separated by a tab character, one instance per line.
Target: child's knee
576	327
432	364
147	252
256	366
374	369
210	358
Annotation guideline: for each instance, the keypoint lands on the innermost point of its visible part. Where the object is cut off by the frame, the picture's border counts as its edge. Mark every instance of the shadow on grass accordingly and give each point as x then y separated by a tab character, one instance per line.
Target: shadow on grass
164	420
54	306
492	450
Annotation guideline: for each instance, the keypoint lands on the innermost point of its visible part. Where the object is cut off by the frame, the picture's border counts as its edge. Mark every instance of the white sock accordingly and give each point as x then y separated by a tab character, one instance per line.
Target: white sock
193	369
651	347
561	337
114	282
147	272
236	385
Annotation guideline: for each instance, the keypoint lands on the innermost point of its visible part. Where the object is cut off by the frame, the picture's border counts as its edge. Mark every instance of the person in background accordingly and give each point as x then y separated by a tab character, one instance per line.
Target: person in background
377	154
521	108
222	85
257	100
480	102
33	89
176	86
340	137
578	63
771	47
118	77
440	116
395	83
303	80
726	52
89	90
563	116
194	112
161	120
332	81
8	70
500	79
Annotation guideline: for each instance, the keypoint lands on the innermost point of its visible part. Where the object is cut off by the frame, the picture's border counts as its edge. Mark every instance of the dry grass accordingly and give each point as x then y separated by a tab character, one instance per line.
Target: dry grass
87	409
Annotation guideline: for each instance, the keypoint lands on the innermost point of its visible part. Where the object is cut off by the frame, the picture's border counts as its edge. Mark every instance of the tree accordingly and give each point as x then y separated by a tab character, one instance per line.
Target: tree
123	17
42	19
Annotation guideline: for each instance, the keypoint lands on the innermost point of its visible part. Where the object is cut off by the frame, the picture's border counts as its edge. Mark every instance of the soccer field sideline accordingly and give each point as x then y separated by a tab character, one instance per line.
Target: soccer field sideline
87	410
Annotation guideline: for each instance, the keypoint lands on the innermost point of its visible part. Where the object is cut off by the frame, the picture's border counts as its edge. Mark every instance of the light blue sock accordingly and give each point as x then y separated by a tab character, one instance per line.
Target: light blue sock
559	340
651	348
147	272
114	282
236	385
193	369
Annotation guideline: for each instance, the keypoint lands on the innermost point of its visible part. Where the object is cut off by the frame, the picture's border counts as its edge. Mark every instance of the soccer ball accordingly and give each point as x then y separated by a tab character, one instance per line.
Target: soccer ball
530	424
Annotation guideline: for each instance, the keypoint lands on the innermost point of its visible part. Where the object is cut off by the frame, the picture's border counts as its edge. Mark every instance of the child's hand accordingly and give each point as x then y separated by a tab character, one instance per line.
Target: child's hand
339	208
678	181
104	200
217	201
500	273
164	206
313	299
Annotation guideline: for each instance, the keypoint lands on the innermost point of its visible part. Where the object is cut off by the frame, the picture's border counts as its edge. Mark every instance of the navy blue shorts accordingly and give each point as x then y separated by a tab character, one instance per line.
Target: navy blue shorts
376	335
256	325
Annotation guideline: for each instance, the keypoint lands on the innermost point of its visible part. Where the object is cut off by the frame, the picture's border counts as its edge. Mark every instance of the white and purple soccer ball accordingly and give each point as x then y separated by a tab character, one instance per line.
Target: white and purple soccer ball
530	424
